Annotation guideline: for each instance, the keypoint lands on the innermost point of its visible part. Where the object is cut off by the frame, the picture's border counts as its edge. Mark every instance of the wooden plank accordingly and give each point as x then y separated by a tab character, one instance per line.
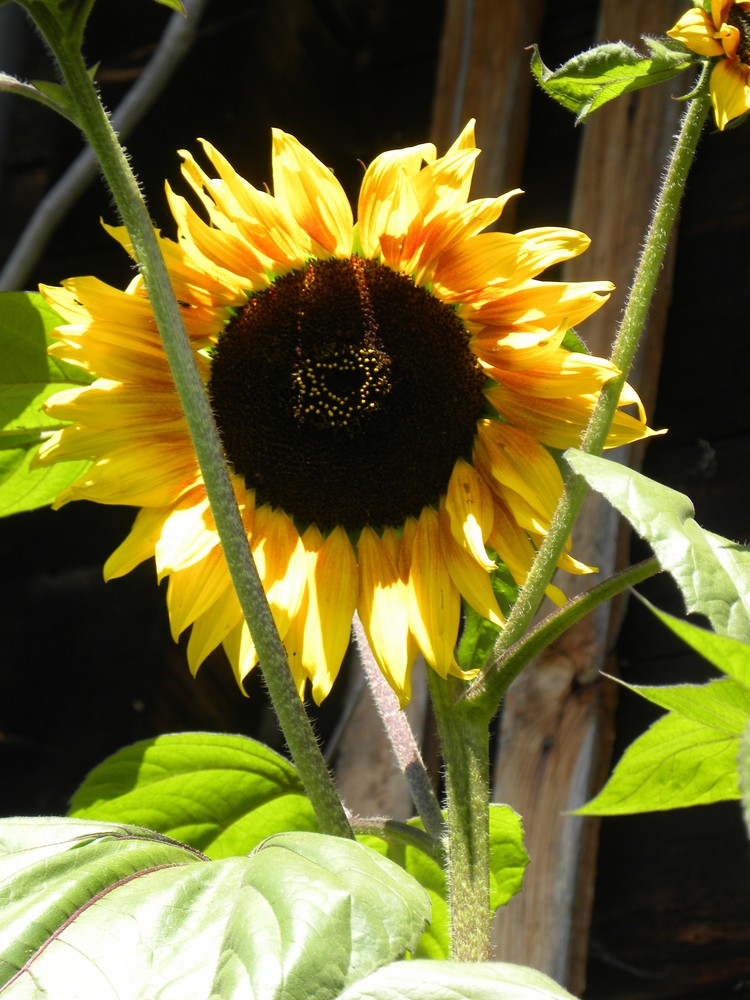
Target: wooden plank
557	724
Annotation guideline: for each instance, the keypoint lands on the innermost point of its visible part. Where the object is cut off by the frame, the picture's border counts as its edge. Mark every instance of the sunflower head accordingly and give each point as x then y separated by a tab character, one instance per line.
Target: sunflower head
388	392
721	31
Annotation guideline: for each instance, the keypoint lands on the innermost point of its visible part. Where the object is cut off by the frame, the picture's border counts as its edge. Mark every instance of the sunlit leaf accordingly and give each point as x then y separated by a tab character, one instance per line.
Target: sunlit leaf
712	572
220	793
592	78
676	763
28	377
455	981
109	911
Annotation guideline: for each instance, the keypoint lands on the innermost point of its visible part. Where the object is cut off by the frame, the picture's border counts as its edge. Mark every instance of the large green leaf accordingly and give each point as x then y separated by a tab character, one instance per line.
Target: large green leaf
107	911
590	79
219	793
712	572
508	860
28	377
455	981
743	767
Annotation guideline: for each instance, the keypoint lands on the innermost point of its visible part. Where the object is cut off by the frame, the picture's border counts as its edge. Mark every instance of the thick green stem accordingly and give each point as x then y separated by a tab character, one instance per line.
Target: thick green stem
631	328
130	204
465	745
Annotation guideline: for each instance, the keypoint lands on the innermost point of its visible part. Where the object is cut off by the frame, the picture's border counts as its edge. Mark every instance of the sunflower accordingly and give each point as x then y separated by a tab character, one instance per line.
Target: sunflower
724	33
387	393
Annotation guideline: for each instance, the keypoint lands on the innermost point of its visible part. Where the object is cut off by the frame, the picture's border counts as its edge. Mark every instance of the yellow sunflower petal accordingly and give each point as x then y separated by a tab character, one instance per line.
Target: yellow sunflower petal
188	536
695	29
468	503
387	201
383	610
470	577
730	91
434	602
332	598
313	195
565	373
559	423
139	544
211	628
192	591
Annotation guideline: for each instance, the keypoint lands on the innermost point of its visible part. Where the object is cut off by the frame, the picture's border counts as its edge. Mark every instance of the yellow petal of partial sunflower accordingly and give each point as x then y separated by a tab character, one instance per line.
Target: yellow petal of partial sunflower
383	610
559	423
524	467
280	557
515	549
548	246
331	601
211	628
565	373
192	591
730	91
188	536
434	601
312	194
540	303
516	351
695	29
474	264
470	577
139	544
387	201
468	504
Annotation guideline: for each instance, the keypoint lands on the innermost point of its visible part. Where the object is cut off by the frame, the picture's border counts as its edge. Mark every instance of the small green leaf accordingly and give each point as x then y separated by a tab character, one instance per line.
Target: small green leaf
221	794
728	655
111	911
508	860
592	78
422	980
173	5
723	705
712	572
28	377
676	763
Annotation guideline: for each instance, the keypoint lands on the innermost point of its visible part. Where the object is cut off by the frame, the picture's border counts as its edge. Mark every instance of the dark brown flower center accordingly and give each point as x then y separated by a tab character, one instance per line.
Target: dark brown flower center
739	18
344	394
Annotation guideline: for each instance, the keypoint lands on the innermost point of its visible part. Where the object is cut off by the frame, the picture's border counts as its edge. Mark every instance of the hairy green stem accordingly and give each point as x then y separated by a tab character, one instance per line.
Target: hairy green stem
465	746
293	719
664	216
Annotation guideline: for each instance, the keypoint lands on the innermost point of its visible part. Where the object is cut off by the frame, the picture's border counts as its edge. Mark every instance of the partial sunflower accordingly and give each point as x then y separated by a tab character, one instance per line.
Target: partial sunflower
386	392
725	34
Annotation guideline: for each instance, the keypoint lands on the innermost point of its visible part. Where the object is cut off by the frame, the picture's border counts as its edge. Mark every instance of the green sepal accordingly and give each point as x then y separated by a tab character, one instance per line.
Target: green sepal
62	22
592	78
28	377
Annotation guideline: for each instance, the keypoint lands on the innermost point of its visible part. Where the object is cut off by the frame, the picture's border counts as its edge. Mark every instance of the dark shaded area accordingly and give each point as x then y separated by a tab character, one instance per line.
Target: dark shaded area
87	668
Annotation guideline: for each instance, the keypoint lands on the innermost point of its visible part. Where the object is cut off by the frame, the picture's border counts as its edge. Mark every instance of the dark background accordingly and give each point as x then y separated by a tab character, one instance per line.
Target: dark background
87	668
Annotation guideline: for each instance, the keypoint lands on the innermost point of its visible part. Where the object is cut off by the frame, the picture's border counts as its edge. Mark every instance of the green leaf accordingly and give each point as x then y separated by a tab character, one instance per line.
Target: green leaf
106	911
590	79
728	655
676	763
712	572
28	377
723	705
421	980
508	860
173	4
221	794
